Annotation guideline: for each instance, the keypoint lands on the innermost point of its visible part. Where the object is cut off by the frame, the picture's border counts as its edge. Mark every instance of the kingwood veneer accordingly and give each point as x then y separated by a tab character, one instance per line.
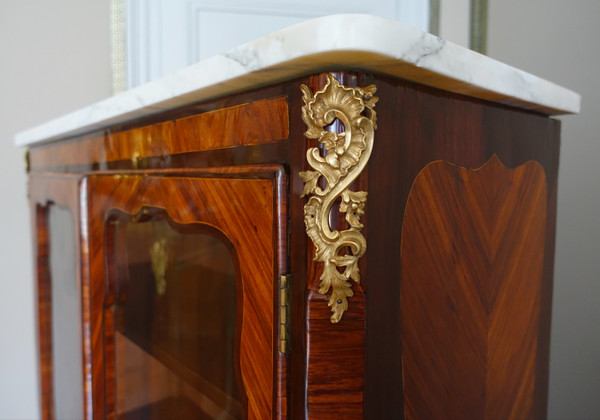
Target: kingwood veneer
432	300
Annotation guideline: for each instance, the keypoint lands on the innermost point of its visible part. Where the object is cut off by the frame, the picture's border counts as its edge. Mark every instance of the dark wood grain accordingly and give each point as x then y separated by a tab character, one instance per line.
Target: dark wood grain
335	358
298	256
472	263
262	121
416	126
41	255
258	122
532	138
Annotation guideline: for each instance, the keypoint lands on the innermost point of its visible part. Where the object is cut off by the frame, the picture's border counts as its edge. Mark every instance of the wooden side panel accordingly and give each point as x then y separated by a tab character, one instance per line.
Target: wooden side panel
243	207
417	125
472	263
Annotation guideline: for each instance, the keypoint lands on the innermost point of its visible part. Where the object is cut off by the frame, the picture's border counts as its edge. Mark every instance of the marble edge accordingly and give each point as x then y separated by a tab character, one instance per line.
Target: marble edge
331	42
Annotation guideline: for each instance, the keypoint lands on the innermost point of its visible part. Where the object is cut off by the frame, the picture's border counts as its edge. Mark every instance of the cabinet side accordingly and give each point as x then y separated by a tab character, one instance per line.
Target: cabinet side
417	127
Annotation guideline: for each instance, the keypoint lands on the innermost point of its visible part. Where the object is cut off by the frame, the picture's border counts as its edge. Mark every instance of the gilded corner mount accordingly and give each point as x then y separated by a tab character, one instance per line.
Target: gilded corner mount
347	154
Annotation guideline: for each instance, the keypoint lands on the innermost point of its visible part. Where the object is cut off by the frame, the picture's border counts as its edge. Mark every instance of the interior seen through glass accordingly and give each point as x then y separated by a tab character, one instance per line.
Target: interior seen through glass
175	321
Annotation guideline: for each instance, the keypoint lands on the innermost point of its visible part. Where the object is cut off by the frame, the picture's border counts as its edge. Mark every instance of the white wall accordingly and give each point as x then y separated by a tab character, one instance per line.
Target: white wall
164	36
54	58
559	40
455	21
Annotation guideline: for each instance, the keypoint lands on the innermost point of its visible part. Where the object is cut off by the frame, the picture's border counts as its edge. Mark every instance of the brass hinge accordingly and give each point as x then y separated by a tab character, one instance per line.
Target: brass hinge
284	313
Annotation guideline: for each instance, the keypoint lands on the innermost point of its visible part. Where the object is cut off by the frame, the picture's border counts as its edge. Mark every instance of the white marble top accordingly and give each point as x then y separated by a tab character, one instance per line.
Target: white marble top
339	42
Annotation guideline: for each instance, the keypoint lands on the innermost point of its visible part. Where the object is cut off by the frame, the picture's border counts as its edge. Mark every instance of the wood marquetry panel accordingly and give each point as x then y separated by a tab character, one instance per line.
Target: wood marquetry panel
244	208
150	140
90	149
262	121
258	122
473	246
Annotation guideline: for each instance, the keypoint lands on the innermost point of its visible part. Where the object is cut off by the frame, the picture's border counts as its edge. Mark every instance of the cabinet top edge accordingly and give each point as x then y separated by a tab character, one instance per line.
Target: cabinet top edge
338	42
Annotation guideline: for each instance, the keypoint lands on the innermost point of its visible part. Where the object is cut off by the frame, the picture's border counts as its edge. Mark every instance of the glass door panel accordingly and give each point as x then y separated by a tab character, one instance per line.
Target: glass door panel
176	314
65	303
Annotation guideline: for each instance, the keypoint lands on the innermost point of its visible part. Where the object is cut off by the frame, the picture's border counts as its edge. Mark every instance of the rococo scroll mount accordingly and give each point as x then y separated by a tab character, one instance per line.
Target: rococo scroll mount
347	154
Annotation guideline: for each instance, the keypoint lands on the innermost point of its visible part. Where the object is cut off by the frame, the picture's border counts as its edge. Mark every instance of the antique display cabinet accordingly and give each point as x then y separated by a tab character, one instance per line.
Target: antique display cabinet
347	219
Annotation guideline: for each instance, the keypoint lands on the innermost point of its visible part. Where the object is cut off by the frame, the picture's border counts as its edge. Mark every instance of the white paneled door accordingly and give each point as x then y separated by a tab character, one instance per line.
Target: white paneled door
163	36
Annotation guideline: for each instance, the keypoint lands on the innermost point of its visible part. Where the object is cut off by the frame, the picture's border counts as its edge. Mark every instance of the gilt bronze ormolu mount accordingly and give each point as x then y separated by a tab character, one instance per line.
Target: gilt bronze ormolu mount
347	155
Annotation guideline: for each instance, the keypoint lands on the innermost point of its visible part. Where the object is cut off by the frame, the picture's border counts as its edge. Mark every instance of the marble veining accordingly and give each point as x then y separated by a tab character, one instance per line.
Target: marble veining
338	42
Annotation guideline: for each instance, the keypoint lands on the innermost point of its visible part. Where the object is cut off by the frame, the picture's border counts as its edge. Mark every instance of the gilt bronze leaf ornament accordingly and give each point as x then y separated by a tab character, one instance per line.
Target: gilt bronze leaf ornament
160	258
347	154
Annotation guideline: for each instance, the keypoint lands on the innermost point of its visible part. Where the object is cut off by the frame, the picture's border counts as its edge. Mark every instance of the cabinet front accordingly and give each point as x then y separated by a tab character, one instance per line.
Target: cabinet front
183	274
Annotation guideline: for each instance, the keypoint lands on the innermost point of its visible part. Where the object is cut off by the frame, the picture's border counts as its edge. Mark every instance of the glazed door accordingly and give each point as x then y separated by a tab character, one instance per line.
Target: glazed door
184	270
54	200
